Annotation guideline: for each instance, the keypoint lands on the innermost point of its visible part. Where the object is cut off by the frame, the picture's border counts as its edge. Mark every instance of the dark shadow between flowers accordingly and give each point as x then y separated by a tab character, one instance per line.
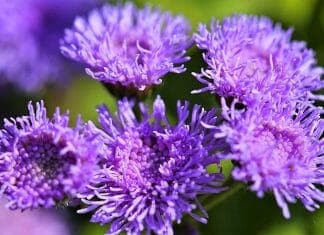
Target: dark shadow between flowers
179	86
13	101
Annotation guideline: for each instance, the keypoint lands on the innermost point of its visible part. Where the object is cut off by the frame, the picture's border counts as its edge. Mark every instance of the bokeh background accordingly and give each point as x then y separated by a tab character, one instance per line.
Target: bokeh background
242	213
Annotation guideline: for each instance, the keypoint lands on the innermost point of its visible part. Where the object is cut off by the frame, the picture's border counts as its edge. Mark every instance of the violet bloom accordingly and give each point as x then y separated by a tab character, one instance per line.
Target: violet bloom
29	40
249	57
152	171
38	222
128	47
277	153
43	162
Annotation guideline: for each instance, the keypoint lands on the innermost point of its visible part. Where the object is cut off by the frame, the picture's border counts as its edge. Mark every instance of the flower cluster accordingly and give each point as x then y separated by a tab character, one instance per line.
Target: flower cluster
138	171
152	171
29	40
249	57
277	153
43	162
276	140
128	47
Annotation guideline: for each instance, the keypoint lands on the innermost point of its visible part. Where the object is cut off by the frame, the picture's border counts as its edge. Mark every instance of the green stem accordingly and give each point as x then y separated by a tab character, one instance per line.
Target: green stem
214	201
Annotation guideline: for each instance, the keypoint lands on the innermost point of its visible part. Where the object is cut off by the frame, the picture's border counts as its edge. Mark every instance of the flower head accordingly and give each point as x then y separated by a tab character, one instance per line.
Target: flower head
38	222
128	47
249	57
152	171
29	40
43	161
277	153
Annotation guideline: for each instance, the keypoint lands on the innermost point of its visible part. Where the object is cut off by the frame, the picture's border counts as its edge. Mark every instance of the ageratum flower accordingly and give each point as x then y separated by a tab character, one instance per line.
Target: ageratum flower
249	57
128	47
43	162
38	222
152	171
277	153
29	41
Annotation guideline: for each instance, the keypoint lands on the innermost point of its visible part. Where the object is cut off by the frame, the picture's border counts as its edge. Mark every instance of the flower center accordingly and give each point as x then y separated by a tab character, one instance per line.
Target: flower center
137	158
130	45
144	160
278	149
253	59
39	162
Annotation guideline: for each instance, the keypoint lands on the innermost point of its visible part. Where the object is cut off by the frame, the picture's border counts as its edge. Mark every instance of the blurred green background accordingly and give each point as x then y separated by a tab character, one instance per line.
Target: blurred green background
242	213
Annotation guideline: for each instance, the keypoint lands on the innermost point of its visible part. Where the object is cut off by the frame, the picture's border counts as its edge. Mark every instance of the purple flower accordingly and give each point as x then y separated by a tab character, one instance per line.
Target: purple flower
249	57
128	47
29	40
43	162
152	171
277	153
38	222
